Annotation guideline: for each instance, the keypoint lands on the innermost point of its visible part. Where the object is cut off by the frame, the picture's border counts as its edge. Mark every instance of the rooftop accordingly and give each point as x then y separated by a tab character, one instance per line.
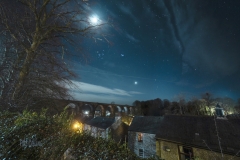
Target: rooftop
101	122
145	124
201	131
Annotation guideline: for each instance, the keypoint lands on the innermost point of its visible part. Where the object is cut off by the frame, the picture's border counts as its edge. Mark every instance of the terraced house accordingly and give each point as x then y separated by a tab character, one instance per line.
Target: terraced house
181	137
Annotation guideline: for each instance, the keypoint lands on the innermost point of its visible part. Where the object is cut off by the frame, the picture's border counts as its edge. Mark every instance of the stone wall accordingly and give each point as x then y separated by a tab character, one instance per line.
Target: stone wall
169	151
96	132
201	154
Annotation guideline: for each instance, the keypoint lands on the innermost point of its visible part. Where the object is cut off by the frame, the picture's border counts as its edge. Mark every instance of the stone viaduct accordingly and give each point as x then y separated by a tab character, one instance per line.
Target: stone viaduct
94	109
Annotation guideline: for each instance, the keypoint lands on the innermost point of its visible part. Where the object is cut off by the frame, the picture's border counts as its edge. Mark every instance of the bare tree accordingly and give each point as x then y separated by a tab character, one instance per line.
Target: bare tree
190	108
149	107
38	33
175	109
195	106
181	103
166	105
208	97
137	107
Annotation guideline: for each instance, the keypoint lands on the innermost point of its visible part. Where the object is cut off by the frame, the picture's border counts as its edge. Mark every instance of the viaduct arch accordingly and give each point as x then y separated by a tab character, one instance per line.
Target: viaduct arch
94	109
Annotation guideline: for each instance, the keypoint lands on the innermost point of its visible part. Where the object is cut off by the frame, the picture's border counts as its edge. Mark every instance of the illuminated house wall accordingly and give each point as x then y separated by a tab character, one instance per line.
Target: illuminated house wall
143	144
99	126
142	134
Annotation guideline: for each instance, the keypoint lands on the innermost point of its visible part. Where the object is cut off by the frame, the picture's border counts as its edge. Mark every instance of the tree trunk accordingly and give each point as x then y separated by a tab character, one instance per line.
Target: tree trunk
23	73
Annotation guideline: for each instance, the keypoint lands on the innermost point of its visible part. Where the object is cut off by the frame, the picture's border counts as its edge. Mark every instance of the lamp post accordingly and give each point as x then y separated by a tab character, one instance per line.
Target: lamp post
77	126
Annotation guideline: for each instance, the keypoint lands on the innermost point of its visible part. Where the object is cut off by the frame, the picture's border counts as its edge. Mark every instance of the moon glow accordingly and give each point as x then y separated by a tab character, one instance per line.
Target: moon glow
94	20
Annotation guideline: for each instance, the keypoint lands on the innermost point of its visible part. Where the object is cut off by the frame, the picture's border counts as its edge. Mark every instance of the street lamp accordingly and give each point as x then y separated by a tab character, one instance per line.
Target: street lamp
77	126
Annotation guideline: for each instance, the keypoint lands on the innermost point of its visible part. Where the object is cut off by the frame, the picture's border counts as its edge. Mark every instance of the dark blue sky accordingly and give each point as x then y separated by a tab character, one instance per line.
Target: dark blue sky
160	49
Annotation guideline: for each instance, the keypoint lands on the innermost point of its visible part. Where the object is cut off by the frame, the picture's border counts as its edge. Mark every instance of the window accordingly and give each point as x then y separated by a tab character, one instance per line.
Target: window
141	153
140	137
185	153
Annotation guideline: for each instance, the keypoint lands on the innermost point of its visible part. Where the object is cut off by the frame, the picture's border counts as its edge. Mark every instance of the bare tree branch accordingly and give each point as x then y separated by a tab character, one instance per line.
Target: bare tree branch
40	31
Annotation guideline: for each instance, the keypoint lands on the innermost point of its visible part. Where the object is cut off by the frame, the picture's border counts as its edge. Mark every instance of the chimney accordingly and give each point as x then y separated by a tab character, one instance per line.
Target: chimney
219	112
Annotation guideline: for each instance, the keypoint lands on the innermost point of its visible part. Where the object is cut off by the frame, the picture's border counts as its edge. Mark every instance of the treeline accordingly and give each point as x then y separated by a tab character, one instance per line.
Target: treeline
196	106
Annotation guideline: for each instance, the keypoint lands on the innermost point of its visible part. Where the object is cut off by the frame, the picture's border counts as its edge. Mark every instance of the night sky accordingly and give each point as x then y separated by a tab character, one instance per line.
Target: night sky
160	49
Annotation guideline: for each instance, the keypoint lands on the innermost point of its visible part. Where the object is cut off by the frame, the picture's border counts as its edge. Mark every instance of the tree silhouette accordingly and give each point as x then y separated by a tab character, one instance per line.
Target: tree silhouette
37	35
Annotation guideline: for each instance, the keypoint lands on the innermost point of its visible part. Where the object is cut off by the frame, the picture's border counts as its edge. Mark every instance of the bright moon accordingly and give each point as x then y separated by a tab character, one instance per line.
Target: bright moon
135	82
94	19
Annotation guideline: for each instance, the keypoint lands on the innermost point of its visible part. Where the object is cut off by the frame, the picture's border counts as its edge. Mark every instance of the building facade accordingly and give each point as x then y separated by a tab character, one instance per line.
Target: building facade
198	137
99	126
181	137
177	151
142	135
143	144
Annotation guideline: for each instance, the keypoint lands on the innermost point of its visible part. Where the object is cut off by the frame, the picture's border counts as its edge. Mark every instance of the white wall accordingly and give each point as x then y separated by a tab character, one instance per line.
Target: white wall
96	132
148	144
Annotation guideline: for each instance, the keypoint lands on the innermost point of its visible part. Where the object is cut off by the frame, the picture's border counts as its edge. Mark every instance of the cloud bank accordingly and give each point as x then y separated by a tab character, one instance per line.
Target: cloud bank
96	93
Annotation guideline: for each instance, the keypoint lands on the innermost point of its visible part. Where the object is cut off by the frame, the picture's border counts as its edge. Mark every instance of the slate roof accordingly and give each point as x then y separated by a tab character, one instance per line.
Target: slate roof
83	119
194	130
101	122
145	124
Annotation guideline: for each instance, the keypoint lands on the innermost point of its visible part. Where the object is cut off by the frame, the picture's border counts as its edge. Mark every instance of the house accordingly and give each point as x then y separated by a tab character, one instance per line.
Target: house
142	135
105	127
203	137
99	126
181	137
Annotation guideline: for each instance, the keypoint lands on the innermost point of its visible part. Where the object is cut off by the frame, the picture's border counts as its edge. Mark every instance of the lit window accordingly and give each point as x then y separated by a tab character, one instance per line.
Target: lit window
185	153
141	153
140	137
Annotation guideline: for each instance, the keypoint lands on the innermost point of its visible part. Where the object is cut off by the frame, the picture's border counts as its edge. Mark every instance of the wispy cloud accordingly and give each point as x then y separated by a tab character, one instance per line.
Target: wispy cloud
134	92
128	12
90	97
97	85
96	93
147	10
131	38
97	89
201	32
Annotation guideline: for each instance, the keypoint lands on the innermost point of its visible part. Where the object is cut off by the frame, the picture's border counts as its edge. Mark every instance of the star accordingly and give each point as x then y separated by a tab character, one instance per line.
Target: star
160	59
